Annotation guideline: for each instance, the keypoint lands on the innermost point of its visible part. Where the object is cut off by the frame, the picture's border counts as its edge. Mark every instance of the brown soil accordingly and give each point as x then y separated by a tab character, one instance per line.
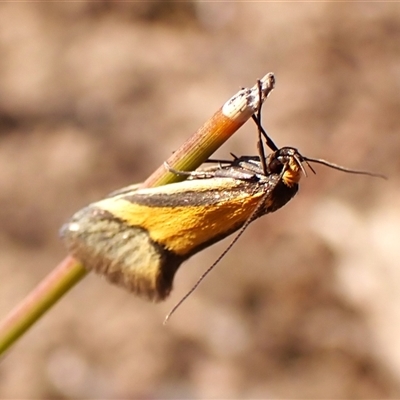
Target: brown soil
95	95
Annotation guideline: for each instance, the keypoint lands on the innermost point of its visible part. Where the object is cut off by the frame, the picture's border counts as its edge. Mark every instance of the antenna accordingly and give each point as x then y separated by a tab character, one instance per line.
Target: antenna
341	168
214	264
261	131
249	220
257	119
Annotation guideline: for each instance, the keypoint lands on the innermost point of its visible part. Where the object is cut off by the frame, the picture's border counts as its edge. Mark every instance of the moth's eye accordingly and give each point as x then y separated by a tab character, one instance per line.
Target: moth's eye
283	159
276	165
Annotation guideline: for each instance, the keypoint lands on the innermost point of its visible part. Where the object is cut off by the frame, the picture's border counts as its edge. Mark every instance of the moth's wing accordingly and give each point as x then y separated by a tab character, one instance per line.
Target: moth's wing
138	239
125	254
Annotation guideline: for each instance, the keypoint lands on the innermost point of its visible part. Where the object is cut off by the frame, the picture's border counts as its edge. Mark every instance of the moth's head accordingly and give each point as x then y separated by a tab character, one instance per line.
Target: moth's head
287	161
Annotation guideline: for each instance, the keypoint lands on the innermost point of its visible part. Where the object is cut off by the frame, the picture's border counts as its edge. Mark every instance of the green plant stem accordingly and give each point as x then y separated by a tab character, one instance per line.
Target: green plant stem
45	295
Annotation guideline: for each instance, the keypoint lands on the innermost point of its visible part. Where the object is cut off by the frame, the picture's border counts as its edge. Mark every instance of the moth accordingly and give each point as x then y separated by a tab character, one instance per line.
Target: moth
138	238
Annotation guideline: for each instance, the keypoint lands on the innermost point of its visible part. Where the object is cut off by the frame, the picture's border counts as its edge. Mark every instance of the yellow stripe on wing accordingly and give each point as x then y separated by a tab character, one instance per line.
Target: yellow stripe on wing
182	229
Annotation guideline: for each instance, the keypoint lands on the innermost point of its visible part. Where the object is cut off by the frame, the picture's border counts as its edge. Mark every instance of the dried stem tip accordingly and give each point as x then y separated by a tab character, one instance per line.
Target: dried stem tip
248	99
215	131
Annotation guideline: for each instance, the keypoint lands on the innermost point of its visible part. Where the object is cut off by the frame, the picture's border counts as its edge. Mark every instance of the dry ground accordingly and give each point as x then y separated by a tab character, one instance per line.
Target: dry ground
95	95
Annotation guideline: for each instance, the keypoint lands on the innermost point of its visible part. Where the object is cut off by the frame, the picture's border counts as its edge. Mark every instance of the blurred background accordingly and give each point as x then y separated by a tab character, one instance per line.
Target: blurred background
95	95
